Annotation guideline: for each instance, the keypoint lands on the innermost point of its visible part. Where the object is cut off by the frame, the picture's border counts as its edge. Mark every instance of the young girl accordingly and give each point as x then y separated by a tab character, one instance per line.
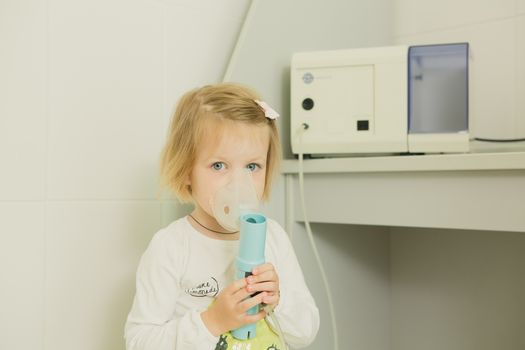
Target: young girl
186	295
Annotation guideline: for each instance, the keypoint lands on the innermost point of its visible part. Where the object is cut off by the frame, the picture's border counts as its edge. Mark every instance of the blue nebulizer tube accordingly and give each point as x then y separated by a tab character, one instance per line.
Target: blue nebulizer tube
251	254
235	207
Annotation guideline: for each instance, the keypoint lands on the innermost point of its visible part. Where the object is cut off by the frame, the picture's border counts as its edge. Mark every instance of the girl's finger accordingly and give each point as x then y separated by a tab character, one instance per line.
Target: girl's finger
254	318
235	286
263	286
262	268
241	294
251	302
271	300
263	277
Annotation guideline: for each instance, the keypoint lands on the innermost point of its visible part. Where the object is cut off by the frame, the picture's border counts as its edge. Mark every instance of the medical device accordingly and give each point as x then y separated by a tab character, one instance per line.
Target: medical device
251	254
235	207
396	99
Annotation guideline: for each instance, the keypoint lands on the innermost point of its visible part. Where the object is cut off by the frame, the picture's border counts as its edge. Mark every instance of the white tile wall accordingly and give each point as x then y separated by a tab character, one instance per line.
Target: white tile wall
412	16
22	100
172	210
520	75
105	99
520	6
225	9
92	252
21	275
193	57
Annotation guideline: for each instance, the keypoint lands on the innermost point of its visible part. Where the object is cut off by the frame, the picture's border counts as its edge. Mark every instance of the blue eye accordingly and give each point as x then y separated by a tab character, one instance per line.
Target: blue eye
218	165
252	166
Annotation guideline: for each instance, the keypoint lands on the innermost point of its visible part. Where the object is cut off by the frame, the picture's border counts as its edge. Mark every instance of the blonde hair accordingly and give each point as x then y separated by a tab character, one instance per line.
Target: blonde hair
226	101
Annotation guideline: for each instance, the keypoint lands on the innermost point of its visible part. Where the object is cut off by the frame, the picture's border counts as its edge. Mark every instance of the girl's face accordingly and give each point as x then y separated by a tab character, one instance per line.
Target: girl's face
224	150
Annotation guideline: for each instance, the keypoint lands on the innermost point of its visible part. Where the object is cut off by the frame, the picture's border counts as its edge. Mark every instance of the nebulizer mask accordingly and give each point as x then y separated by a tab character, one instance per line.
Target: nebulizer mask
235	198
235	206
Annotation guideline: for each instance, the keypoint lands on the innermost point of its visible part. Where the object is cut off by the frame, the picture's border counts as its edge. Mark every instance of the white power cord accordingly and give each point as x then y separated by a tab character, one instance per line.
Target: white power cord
270	313
301	130
277	326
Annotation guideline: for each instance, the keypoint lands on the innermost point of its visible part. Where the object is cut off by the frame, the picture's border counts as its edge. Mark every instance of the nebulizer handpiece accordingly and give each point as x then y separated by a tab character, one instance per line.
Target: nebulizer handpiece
251	254
235	207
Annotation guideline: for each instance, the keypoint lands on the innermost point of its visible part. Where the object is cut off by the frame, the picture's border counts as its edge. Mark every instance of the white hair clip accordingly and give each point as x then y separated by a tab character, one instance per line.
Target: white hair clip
269	112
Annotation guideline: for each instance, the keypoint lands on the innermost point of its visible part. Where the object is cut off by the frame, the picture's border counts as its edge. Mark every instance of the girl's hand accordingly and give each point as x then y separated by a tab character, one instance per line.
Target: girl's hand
264	279
229	309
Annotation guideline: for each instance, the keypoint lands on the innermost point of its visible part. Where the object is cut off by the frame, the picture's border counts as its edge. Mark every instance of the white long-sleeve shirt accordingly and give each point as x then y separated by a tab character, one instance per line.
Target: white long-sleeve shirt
182	271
